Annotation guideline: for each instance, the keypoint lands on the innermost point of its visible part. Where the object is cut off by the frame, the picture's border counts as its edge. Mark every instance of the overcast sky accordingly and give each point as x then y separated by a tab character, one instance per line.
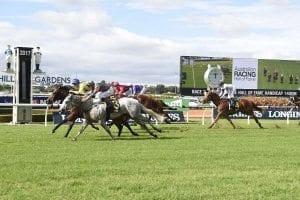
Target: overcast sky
140	41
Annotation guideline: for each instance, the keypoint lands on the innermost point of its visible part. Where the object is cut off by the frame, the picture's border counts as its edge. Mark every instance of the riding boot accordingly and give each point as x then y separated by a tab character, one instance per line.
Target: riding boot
233	104
109	110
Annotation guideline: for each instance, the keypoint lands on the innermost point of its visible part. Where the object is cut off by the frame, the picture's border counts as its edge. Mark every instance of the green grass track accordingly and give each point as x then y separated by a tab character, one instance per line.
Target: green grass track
187	161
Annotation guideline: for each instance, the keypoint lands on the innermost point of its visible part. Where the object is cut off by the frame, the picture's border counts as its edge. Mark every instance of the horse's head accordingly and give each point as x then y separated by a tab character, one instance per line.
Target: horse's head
210	96
59	93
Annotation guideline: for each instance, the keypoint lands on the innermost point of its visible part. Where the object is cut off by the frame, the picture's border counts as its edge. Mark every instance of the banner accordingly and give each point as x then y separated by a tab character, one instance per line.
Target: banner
176	116
245	73
270	113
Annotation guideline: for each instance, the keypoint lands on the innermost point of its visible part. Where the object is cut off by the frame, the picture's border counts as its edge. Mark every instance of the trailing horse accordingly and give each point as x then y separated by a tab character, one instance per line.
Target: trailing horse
95	113
244	106
157	105
60	93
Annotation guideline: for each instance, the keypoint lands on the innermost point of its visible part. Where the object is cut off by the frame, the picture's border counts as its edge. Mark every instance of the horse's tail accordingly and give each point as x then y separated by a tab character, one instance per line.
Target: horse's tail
158	117
165	106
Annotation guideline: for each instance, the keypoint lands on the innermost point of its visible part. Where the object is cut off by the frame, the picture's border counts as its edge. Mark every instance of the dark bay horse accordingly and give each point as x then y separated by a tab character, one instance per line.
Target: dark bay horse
61	92
244	106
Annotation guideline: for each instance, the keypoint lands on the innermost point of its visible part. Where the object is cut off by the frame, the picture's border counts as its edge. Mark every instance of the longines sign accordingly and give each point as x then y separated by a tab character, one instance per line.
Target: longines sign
37	79
270	113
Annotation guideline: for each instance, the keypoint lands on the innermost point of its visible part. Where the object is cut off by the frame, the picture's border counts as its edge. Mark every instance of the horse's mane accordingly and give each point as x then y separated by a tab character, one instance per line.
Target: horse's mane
64	87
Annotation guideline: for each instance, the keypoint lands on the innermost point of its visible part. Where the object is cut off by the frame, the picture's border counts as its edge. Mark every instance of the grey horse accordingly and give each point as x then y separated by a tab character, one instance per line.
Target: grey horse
95	113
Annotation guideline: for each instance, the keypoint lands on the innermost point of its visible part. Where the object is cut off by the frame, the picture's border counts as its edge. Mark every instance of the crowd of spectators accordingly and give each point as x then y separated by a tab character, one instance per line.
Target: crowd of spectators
270	101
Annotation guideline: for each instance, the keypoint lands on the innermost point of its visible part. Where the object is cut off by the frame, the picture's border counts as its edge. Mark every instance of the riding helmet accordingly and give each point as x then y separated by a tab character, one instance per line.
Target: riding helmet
75	81
91	83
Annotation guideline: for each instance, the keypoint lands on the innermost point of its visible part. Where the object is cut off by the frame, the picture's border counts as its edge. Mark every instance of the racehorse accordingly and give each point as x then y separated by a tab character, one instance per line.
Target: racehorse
244	106
61	92
157	105
97	113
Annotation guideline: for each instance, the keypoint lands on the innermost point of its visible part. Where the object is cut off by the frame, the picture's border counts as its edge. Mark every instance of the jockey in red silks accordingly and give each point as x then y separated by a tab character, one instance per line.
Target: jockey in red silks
122	90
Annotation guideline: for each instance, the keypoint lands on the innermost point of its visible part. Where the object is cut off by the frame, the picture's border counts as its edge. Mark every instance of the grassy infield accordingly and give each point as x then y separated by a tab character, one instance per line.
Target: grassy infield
187	161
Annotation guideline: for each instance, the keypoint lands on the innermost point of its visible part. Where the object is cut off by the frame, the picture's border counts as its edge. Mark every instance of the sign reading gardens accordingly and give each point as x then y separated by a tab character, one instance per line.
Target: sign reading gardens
38	79
250	76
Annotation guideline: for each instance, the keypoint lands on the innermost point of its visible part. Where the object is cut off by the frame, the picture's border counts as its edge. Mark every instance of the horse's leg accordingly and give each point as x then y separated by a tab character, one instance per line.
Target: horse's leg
215	121
94	127
125	123
230	121
256	120
154	127
59	124
120	128
83	127
106	128
69	129
141	122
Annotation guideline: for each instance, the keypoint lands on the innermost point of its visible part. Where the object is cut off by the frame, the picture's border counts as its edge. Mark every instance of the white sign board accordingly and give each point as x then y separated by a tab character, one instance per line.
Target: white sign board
245	73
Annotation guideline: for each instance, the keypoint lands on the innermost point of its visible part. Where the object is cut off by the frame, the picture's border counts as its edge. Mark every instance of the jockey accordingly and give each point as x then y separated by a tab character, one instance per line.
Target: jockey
227	92
83	87
102	93
122	90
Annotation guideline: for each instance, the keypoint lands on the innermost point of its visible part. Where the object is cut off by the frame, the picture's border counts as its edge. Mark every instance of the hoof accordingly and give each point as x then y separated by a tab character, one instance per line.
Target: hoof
97	128
168	121
74	139
53	131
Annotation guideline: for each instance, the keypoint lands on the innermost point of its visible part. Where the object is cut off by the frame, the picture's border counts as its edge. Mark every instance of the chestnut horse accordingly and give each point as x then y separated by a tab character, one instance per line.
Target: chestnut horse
61	93
156	105
244	106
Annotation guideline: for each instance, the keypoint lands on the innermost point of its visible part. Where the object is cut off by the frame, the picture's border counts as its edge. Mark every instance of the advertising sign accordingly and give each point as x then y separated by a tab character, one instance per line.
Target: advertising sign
245	73
270	113
176	116
250	76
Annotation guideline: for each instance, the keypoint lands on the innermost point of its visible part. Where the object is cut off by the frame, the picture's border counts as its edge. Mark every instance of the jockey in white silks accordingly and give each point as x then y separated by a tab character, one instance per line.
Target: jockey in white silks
102	93
100	96
226	91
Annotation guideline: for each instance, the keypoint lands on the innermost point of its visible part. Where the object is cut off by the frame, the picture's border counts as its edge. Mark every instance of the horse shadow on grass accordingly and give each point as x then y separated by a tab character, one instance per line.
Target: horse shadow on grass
136	138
